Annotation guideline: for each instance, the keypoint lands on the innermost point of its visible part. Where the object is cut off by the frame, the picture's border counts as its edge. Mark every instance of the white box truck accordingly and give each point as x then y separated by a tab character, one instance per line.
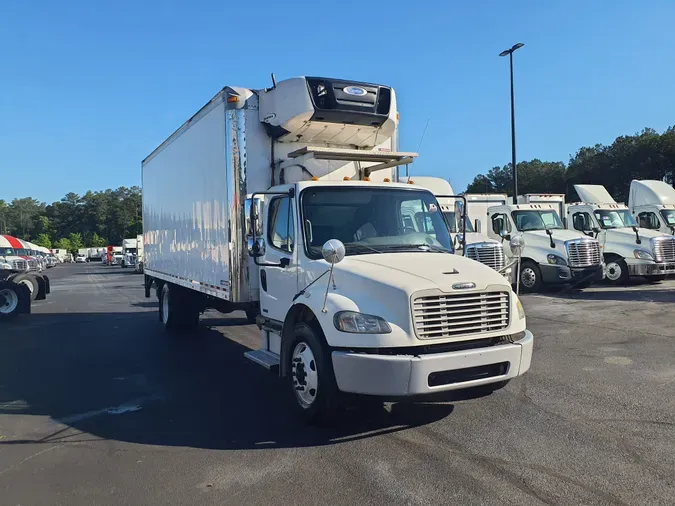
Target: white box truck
627	249
652	203
280	202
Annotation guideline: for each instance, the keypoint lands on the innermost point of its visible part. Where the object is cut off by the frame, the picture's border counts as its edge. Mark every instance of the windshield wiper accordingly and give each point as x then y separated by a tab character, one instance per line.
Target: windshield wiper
361	247
417	247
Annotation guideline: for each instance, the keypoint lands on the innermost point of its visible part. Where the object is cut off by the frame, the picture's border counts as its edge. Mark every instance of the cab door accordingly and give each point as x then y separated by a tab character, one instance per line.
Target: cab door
278	266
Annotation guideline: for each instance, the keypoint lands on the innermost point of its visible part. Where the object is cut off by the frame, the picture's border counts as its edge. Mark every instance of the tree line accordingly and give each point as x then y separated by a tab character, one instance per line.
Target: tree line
95	219
645	155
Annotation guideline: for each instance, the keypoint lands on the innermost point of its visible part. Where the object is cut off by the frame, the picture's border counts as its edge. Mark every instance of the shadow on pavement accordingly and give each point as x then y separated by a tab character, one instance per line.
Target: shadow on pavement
119	376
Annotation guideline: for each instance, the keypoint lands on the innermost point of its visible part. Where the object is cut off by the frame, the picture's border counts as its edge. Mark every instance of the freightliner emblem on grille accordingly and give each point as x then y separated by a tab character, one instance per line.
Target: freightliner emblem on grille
464	286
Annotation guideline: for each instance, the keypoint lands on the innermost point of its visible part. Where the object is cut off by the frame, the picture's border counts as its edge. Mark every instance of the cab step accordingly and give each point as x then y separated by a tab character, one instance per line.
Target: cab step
265	358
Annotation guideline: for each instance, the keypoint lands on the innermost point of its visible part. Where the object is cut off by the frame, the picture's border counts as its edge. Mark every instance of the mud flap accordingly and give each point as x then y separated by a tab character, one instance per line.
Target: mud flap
42	287
48	288
24	299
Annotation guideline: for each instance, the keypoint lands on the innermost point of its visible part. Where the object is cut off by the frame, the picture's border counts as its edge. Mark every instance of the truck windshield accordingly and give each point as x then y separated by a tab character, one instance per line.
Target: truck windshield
373	220
21	252
615	219
455	222
6	252
669	216
536	220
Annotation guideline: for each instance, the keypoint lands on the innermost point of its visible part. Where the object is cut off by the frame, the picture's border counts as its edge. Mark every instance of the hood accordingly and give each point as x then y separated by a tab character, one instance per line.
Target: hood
628	235
475	237
421	271
558	235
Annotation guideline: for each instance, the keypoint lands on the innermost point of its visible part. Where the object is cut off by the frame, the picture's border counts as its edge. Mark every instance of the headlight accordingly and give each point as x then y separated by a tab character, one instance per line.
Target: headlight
359	323
555	259
519	307
5	266
643	254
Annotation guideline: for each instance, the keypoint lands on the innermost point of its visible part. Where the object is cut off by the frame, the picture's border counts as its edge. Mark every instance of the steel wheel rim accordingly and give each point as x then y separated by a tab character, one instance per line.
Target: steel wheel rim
304	375
165	305
613	271
11	301
528	277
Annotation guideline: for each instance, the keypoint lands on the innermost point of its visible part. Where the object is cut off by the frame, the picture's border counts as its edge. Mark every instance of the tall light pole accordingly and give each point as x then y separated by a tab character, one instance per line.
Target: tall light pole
513	122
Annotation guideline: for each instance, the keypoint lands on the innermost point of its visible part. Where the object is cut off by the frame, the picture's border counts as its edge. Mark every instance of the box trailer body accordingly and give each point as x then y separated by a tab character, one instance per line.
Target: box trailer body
139	254
284	203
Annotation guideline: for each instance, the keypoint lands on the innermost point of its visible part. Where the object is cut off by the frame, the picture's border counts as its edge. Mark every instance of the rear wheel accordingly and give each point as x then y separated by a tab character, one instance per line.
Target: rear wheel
530	277
177	311
311	380
617	271
29	282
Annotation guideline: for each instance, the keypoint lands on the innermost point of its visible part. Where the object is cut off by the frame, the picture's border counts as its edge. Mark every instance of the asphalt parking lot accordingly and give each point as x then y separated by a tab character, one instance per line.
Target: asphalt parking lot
98	406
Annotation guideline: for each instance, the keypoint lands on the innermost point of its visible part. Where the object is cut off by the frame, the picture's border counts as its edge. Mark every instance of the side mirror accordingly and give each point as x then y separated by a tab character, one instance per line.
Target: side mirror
256	248
596	230
253	211
477	226
333	251
504	235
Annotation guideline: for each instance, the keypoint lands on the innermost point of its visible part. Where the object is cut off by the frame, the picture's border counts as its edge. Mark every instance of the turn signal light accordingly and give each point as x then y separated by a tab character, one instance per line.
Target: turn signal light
346	178
410	181
366	179
387	180
231	100
314	178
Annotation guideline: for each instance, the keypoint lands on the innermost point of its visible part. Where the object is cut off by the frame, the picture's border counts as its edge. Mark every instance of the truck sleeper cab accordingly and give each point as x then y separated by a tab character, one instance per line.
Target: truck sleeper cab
280	215
551	254
652	203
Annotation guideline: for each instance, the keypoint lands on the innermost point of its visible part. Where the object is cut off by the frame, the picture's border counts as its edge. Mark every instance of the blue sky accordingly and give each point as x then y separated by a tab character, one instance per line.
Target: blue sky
88	89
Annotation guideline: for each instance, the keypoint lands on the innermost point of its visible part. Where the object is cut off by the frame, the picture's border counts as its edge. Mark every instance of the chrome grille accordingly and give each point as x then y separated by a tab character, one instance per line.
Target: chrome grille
491	255
664	249
32	265
583	253
19	265
449	315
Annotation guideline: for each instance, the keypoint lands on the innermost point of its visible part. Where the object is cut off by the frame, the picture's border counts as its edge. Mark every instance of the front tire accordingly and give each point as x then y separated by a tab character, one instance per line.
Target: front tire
617	271
10	300
311	381
530	277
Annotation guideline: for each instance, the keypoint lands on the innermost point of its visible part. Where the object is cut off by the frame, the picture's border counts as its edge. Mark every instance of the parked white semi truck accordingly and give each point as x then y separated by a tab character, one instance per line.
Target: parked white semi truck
129	250
627	249
470	243
551	255
280	202
21	268
652	203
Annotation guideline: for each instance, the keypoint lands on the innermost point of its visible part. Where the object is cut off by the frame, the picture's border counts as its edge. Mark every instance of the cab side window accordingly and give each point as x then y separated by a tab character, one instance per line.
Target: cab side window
282	230
582	222
500	222
649	220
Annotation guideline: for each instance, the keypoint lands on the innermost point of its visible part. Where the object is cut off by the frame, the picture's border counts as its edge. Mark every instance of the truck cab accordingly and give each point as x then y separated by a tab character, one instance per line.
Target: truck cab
129	249
467	241
628	250
551	255
652	203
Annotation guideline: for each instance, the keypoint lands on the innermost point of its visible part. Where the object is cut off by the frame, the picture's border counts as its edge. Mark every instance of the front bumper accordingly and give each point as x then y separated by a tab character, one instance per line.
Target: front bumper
556	274
409	375
651	269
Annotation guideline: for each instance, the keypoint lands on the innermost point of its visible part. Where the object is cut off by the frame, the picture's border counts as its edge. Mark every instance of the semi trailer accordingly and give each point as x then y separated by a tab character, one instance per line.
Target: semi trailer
284	203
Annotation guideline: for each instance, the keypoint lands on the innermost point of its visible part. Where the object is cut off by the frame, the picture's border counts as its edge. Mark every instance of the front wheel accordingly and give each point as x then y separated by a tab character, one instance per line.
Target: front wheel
617	272
311	380
10	300
530	277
